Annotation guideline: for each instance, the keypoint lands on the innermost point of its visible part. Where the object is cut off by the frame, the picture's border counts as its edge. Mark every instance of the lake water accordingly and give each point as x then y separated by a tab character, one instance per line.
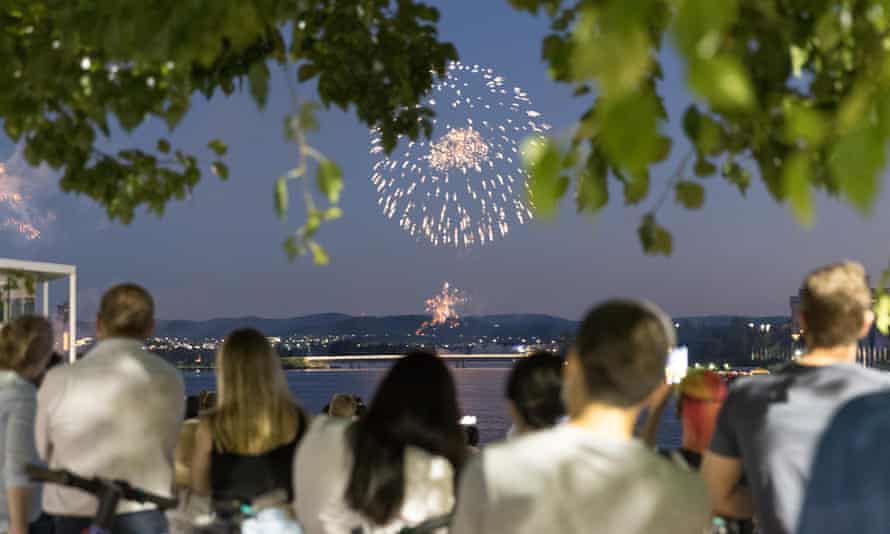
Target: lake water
480	391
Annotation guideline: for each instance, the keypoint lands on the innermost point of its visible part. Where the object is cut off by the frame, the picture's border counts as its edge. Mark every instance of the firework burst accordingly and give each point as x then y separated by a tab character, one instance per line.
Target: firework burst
465	185
14	202
443	307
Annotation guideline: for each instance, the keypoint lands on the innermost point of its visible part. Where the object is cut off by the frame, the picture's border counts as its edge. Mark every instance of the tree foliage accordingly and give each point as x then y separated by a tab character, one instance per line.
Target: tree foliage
77	70
795	92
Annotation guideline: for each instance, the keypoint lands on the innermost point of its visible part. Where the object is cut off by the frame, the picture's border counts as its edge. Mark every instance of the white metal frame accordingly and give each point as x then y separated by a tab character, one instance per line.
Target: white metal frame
44	273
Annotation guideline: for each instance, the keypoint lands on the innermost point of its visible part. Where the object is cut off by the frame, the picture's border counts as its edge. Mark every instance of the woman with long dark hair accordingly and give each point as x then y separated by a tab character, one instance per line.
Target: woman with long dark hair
393	468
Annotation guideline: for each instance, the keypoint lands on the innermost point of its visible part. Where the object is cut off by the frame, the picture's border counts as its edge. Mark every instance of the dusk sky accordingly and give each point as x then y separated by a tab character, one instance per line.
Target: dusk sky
219	254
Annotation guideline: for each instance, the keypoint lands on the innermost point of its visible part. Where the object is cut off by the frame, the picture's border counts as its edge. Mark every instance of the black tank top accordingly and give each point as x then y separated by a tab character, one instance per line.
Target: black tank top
244	477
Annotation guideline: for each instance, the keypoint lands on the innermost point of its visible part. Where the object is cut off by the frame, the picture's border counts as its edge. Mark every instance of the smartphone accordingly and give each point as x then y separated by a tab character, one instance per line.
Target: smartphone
677	365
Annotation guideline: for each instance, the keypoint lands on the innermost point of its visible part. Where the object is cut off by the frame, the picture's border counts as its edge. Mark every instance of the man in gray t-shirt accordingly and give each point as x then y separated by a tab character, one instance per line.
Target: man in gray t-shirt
770	426
590	474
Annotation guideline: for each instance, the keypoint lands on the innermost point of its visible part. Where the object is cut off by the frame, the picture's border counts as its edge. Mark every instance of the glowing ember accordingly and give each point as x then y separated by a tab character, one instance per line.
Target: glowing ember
19	215
443	307
460	148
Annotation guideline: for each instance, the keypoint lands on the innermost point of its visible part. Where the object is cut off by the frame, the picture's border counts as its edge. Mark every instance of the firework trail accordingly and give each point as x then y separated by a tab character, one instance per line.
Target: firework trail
16	213
465	185
443	308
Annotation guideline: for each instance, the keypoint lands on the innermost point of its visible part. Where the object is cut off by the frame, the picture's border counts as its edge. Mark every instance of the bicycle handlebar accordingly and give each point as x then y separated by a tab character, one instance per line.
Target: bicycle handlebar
97	486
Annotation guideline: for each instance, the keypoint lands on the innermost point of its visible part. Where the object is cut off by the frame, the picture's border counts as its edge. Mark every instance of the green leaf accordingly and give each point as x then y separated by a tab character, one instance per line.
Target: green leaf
319	256
593	190
307	116
796	182
546	186
291	248
735	174
690	195
258	75
803	123
724	82
329	180
628	130
654	237
691	122
333	213
306	72
220	169
799	58
281	198
704	168
163	146
857	161
218	147
636	188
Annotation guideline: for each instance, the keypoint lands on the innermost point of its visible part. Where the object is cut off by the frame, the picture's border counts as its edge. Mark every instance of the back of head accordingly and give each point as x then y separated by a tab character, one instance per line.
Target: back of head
255	410
834	301
535	389
342	406
849	483
26	345
126	310
415	404
622	349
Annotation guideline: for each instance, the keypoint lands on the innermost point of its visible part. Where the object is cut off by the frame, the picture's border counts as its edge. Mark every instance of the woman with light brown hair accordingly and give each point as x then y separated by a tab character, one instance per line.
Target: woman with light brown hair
26	345
244	448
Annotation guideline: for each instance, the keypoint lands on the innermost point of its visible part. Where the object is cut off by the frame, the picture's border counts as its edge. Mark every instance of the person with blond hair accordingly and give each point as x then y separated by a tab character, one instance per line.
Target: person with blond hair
770	426
114	414
26	345
244	447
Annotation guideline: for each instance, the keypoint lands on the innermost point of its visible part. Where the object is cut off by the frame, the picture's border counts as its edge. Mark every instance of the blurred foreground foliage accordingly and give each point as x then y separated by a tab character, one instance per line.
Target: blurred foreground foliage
795	93
78	72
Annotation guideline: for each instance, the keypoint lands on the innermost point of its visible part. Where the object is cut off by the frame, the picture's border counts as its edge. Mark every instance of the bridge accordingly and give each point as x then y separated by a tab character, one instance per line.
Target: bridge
458	359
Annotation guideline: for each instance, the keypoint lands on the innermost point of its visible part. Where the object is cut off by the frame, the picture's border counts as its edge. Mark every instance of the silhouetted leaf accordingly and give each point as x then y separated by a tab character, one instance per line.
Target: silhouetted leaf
690	195
281	198
330	180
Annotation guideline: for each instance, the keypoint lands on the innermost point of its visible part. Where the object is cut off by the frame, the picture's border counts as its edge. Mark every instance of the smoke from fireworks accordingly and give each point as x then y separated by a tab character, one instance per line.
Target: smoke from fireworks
443	307
465	185
16	212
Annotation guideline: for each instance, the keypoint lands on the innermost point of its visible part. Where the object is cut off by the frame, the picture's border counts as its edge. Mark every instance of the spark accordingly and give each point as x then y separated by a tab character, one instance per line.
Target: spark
21	217
443	307
451	190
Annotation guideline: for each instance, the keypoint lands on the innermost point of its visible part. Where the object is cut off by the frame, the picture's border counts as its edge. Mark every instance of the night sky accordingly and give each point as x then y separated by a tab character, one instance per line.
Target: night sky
219	253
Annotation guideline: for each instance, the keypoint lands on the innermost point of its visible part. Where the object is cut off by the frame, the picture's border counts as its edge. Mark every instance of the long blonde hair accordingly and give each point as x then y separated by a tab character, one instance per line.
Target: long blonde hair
255	411
25	342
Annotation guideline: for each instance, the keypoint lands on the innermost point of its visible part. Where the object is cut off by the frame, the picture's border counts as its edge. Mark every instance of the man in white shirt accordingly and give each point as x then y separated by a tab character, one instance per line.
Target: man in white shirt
590	474
114	414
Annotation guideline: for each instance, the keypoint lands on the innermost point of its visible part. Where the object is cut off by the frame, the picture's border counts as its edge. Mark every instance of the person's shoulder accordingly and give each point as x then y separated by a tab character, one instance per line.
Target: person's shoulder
679	487
539	453
326	428
160	365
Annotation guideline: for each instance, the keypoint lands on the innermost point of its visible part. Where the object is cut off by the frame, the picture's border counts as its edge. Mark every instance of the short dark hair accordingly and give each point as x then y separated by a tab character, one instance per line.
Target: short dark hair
833	302
126	310
622	346
535	388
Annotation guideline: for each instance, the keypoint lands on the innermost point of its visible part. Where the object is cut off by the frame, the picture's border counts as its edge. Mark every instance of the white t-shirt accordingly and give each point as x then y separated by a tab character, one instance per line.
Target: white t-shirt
568	480
321	474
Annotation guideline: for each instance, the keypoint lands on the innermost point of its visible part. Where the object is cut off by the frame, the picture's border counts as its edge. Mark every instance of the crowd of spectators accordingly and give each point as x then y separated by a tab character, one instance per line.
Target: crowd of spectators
794	452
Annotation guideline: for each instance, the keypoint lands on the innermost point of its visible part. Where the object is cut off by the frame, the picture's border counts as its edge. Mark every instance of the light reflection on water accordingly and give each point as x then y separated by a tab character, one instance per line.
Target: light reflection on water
480	391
